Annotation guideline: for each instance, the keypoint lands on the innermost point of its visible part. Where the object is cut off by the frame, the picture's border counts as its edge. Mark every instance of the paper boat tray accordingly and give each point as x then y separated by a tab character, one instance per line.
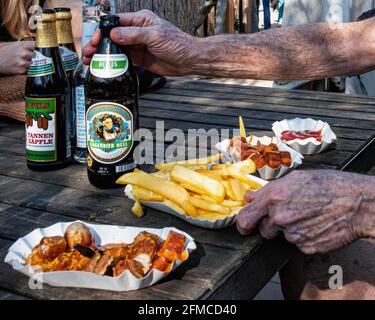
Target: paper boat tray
103	234
203	223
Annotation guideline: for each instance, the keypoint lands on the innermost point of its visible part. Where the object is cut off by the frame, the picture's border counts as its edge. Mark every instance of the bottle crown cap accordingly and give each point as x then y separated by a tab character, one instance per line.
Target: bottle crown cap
109	21
63	13
48	15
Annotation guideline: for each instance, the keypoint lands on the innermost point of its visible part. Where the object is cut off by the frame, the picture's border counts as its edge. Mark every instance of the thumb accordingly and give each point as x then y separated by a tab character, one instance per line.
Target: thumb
129	36
250	215
28	45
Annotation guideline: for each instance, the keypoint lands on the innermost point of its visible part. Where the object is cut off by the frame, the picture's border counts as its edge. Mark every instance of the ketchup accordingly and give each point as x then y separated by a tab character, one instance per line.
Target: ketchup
289	135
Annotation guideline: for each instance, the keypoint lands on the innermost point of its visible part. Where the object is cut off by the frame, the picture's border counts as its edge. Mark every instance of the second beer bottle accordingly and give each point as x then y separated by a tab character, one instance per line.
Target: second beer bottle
111	88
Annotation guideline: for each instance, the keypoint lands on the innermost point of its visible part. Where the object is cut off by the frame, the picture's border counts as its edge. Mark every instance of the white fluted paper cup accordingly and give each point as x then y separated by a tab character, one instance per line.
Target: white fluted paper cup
306	146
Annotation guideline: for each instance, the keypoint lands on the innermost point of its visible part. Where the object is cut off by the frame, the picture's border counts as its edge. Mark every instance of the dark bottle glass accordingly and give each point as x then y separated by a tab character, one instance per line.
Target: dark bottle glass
66	43
47	101
111	88
68	55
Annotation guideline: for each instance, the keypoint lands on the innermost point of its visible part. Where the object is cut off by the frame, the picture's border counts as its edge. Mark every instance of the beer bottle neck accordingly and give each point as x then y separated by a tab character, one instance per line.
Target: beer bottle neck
46	35
64	31
106	45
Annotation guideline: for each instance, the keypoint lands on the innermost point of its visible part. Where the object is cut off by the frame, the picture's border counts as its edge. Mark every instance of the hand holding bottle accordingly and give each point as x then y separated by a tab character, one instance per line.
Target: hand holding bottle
153	43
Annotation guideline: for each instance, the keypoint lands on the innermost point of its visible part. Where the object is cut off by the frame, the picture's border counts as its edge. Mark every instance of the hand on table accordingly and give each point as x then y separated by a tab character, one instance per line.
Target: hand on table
152	42
15	57
318	210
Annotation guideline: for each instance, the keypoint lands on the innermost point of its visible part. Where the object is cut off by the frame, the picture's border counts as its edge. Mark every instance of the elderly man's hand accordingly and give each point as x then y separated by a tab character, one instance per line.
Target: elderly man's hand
152	42
317	210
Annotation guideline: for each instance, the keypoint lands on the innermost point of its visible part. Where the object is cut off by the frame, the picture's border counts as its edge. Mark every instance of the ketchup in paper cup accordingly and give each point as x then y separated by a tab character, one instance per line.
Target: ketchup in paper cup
307	136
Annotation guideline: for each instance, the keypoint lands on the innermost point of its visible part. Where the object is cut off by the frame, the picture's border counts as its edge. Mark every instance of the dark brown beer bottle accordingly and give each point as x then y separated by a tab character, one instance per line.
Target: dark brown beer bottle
66	43
47	101
68	55
111	88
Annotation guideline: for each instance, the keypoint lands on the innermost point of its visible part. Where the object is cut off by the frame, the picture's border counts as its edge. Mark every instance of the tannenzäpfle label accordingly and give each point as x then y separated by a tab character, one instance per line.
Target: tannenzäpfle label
40	129
40	65
109	65
69	59
109	128
80	116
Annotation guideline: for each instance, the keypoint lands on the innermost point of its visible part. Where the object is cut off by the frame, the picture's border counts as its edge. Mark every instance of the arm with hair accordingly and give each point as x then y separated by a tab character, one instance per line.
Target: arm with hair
307	52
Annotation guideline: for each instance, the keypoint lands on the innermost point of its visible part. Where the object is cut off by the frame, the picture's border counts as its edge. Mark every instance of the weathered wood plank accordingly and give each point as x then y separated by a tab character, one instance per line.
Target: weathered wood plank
187	120
359	102
6	295
201	100
262	109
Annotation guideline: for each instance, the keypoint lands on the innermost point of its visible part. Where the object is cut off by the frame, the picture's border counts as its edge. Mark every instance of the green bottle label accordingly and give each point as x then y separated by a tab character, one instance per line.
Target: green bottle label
40	65
69	59
40	129
109	65
109	132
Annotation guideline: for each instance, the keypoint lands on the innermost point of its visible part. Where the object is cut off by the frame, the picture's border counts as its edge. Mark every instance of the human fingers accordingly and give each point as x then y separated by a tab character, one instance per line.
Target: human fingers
138	19
267	229
250	215
28	45
128	36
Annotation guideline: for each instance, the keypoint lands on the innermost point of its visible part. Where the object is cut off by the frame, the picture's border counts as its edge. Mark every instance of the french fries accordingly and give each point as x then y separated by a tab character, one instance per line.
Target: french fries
141	194
210	206
200	163
138	210
207	185
167	189
242	128
190	188
162	174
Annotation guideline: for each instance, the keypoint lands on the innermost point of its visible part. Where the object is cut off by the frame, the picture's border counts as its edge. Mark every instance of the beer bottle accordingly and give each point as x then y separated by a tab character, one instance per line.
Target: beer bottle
47	101
65	39
68	55
111	88
91	17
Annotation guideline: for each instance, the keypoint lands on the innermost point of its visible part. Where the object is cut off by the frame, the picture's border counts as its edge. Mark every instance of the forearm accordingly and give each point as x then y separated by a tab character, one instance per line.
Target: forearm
364	218
304	52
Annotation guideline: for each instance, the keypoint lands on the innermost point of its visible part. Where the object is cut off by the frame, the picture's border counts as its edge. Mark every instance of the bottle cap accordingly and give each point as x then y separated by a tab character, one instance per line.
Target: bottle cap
109	22
48	15
63	13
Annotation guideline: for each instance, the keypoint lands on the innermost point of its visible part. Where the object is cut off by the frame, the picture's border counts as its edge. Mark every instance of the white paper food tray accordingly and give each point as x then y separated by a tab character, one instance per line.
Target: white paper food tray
103	234
203	223
266	172
306	146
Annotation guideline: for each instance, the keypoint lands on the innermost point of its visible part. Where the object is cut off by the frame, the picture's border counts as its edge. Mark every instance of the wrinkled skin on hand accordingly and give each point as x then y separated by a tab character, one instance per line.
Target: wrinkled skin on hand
151	42
318	210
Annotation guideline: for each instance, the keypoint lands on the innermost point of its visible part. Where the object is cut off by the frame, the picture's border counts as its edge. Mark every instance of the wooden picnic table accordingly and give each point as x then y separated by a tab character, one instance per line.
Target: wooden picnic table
225	265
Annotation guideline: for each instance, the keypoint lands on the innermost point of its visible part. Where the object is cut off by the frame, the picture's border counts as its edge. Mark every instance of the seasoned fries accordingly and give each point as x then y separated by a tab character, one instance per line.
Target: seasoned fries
190	188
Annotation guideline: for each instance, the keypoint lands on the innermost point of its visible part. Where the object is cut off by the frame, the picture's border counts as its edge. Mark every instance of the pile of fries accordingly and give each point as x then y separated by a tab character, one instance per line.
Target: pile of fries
192	189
